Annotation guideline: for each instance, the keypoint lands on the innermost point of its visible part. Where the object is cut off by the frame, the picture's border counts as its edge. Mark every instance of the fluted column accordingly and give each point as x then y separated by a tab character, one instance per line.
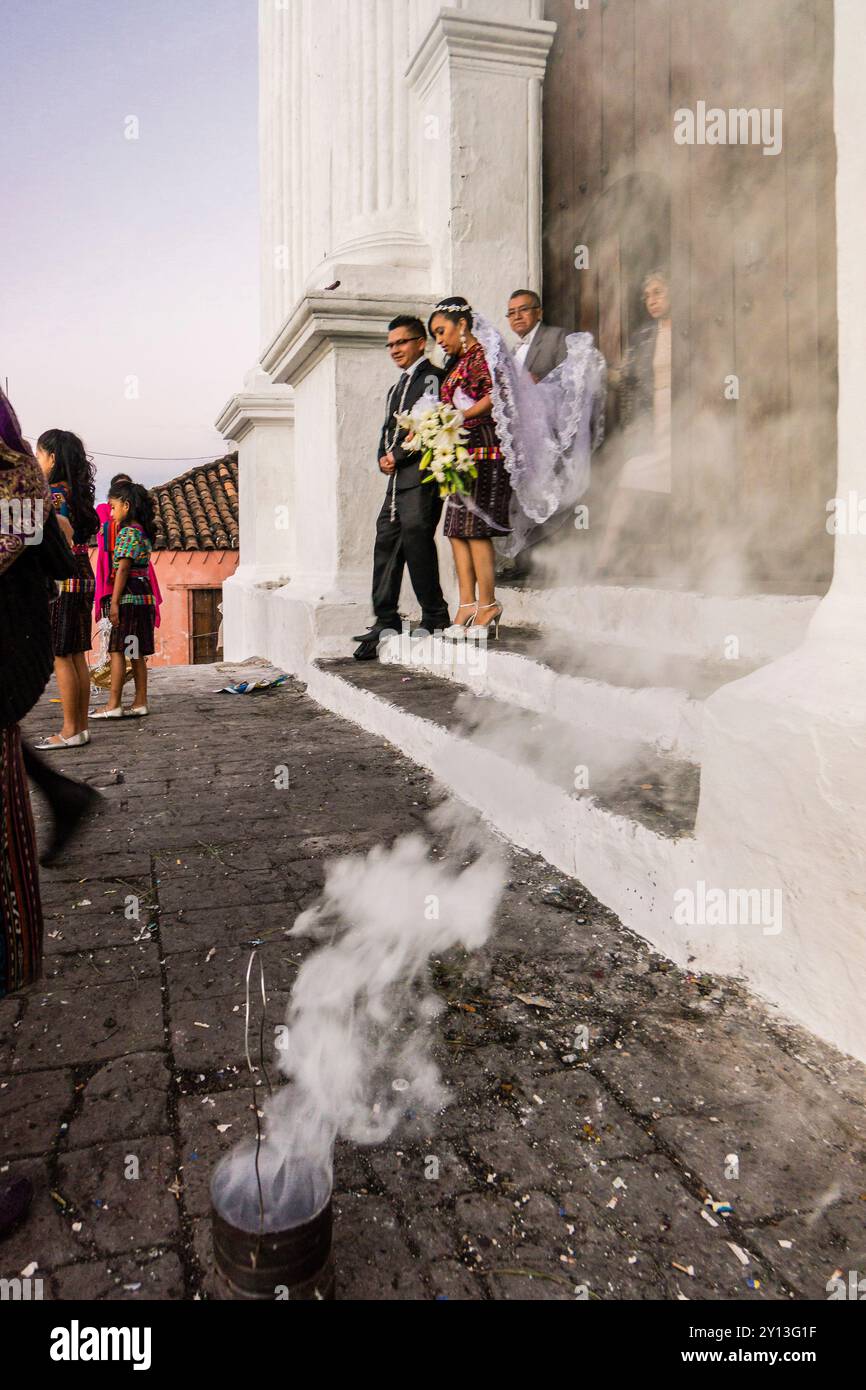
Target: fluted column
373	181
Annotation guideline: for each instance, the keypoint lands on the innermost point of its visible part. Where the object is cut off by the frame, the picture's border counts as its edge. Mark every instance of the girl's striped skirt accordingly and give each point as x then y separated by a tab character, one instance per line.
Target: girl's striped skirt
20	905
72	609
135	635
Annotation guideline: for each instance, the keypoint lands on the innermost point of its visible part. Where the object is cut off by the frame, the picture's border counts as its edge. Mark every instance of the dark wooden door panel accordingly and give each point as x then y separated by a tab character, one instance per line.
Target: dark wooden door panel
205	626
750	245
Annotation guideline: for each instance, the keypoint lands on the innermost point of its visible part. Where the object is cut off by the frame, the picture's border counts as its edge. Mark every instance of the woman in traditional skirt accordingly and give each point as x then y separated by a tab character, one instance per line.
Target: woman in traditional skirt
70	476
472	522
33	554
130	605
27	532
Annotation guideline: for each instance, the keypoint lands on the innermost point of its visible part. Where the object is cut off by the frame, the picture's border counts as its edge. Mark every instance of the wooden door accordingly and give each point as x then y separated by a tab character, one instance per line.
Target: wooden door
205	625
750	243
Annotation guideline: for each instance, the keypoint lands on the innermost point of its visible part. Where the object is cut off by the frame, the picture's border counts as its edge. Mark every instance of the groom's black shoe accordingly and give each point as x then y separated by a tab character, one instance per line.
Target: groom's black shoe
368	651
376	632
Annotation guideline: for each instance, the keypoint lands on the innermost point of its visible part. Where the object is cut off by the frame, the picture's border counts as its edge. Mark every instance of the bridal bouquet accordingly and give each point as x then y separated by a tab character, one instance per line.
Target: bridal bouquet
437	429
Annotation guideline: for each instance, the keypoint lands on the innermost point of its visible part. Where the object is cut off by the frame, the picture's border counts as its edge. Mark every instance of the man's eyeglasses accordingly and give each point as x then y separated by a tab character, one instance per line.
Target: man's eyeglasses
403	342
527	309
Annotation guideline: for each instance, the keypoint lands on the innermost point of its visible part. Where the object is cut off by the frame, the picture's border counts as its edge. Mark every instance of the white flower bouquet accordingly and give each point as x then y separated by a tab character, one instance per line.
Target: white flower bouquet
437	429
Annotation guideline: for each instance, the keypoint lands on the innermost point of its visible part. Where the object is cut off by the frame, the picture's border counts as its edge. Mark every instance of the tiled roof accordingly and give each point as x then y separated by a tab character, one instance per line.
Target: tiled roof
199	510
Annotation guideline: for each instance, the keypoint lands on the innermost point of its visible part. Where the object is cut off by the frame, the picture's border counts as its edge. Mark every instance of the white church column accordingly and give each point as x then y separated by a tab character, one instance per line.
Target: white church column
358	259
260	422
370	209
478	78
784	768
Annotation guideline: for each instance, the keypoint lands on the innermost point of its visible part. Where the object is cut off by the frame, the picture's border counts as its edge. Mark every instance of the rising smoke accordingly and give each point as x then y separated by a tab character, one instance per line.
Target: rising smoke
358	1051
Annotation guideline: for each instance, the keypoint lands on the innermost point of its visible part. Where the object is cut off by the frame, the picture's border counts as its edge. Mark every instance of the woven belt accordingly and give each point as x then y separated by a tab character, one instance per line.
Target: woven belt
486	452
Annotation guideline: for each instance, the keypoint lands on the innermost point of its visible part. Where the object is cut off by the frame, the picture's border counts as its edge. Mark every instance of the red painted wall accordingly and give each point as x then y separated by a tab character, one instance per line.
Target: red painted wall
179	572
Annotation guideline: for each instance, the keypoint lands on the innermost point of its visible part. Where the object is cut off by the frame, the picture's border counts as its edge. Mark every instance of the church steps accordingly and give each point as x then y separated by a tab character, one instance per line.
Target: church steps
628	838
624	693
753	629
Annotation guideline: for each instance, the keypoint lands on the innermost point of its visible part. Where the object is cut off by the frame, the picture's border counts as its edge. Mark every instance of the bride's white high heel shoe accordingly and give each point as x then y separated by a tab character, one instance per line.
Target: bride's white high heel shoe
476	629
457	631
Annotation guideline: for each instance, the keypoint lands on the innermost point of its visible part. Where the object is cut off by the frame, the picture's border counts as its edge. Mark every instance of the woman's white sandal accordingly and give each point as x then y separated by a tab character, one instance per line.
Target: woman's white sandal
477	628
457	631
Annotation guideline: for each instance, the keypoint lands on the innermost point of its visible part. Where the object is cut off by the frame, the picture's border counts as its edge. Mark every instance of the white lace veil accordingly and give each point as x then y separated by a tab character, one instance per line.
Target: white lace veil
548	430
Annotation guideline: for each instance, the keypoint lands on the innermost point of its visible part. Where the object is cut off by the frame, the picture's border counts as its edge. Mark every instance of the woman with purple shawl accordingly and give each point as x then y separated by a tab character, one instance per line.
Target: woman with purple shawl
33	553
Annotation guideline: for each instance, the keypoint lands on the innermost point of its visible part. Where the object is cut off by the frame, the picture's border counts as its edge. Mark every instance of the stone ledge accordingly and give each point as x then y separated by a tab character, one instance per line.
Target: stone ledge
483	45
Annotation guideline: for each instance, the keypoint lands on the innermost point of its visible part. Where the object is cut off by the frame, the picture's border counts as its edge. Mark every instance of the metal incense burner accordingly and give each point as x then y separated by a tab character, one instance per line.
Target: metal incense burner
272	1247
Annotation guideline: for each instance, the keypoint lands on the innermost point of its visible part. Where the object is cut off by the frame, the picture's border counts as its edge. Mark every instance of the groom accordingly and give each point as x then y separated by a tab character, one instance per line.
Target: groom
406	528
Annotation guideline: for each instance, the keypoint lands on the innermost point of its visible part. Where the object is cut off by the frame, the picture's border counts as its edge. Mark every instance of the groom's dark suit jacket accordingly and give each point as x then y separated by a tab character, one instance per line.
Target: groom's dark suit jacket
426	379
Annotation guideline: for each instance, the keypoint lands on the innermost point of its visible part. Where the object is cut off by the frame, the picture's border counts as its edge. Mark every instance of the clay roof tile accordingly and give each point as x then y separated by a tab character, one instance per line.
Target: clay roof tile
199	510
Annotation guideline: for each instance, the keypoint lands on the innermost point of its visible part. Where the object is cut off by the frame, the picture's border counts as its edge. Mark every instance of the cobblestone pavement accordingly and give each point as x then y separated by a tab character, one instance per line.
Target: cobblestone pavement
560	1169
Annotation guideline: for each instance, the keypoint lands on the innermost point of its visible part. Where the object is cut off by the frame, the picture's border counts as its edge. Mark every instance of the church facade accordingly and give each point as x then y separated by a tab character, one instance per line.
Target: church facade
411	150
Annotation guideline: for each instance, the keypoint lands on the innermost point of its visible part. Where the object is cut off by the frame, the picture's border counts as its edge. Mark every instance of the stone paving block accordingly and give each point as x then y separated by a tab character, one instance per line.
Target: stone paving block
46	1236
373	1260
452	1282
679	1065
782	1168
509	1160
78	867
577	1116
193	930
420	1175
94	898
220	972
543	1260
818	1245
31	1112
65	934
202	1144
87	1025
219	889
237	857
121	1214
125	1099
663	1225
152	1275
104	966
207	1033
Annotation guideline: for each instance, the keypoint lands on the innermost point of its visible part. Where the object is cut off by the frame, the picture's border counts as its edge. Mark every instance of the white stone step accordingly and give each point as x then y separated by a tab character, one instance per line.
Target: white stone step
628	839
763	626
624	693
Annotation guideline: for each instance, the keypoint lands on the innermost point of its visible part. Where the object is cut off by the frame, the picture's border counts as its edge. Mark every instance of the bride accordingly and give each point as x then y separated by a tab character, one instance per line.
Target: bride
531	444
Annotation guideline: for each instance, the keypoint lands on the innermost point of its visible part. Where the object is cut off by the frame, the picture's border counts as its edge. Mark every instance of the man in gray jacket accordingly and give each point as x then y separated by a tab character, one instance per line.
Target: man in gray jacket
542	347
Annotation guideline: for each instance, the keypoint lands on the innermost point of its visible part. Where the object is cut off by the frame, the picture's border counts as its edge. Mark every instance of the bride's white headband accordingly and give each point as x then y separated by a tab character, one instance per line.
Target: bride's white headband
454	308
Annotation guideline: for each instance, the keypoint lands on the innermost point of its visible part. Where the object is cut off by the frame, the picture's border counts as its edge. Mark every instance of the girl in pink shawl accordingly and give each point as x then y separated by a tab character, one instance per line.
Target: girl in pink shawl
105	550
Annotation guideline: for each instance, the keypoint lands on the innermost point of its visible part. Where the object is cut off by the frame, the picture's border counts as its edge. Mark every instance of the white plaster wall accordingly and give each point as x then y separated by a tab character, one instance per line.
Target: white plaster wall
491	191
266	468
316	501
363	377
784	764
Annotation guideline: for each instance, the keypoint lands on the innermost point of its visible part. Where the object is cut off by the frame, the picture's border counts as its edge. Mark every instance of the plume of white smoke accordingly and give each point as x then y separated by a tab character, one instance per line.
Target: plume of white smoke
357	1051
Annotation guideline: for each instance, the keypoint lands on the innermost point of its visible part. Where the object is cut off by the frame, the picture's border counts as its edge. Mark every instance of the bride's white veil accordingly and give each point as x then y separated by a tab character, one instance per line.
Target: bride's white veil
548	430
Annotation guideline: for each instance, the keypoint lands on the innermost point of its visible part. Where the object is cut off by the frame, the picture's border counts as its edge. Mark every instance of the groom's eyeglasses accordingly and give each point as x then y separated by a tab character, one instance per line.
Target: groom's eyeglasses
404	342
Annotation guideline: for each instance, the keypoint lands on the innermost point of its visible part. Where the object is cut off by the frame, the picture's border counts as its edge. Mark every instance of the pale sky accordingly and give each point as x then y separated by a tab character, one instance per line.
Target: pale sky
129	258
